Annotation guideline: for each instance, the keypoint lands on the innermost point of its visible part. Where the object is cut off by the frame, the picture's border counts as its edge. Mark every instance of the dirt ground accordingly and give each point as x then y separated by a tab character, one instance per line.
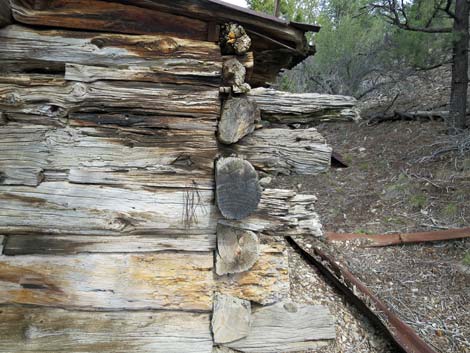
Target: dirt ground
395	182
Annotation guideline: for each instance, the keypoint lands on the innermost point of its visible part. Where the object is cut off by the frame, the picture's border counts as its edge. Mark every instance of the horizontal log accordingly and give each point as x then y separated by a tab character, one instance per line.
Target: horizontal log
282	212
52	97
285	107
84	73
266	282
91	56
26	329
131	121
287	327
104	282
158	158
59	208
75	244
284	151
109	16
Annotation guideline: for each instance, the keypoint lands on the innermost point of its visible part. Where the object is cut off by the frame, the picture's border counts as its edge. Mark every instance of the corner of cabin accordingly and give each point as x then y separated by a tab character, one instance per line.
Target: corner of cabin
133	213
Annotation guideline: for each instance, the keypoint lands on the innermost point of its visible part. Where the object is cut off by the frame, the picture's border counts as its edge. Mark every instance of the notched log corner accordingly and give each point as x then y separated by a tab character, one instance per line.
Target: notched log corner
234	40
233	75
230	319
238	118
237	250
237	188
285	327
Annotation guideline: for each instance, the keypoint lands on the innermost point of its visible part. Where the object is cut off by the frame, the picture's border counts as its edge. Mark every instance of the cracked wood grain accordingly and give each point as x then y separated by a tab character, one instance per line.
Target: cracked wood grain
32	330
179	281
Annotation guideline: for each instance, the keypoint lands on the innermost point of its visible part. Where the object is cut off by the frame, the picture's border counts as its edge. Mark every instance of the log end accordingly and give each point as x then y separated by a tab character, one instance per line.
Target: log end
238	191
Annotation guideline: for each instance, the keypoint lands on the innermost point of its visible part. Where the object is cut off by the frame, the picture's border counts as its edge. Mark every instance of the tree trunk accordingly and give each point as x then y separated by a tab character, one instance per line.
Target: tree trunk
459	85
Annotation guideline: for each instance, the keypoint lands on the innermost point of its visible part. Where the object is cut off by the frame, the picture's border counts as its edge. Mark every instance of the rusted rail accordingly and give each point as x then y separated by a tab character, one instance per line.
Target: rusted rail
358	293
402	238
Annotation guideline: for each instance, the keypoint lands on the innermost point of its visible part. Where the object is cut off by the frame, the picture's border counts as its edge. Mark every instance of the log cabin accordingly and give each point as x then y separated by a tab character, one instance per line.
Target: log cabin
133	136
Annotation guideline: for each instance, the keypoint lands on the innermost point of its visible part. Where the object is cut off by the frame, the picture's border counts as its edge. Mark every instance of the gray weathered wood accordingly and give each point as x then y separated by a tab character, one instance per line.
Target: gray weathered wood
237	188
163	73
61	208
33	330
237	120
233	74
267	281
93	56
180	281
285	107
230	319
287	327
27	244
282	212
237	250
2	243
234	40
284	151
159	158
247	61
49	96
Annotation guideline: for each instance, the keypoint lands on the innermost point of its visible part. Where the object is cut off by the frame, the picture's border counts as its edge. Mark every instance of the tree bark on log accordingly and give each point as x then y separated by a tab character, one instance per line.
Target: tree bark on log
234	40
29	329
459	84
284	151
286	108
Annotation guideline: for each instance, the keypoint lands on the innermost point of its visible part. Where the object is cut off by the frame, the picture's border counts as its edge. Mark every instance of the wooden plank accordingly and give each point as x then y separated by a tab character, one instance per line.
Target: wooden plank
207	11
285	151
74	244
267	281
285	107
49	96
5	13
25	329
230	318
107	16
163	74
93	56
283	212
157	158
287	327
60	208
180	281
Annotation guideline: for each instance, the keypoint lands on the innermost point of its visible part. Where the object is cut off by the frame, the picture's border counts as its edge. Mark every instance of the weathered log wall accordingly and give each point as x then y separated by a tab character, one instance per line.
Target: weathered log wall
107	193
